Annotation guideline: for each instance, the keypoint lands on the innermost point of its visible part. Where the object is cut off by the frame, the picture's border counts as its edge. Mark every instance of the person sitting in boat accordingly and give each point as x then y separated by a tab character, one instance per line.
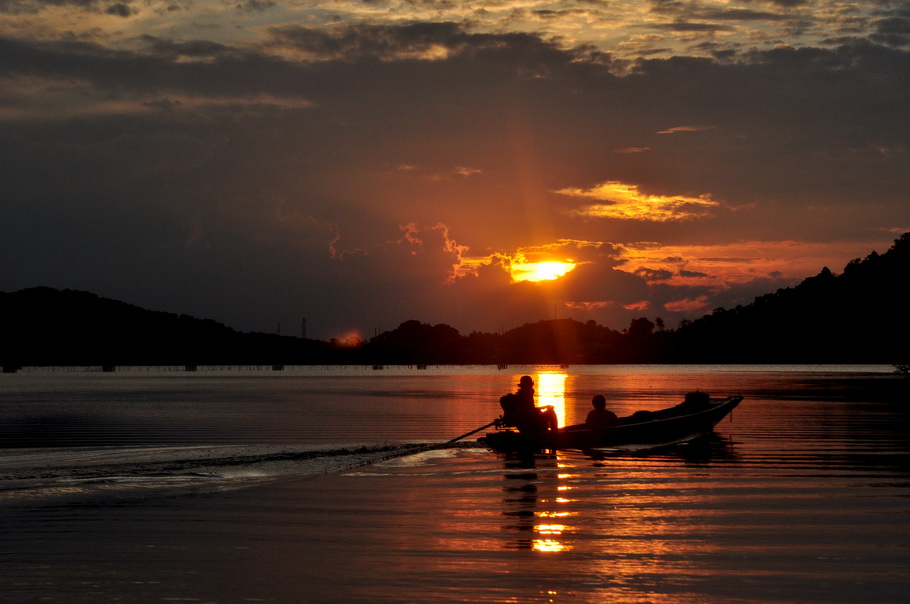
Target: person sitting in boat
600	417
519	409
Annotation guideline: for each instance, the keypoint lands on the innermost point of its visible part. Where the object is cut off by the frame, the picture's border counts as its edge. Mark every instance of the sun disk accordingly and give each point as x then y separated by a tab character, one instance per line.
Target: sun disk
540	271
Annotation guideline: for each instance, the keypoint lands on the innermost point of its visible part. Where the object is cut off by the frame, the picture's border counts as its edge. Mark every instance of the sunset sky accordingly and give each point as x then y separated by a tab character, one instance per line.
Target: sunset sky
359	164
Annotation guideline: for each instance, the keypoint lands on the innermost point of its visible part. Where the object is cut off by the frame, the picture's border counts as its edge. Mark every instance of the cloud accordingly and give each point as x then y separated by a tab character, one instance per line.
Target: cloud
426	41
677	129
597	283
893	31
17	7
651	274
362	172
627	202
256	5
465	171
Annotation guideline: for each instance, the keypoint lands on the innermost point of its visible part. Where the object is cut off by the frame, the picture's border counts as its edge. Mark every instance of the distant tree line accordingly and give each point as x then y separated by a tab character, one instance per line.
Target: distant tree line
859	316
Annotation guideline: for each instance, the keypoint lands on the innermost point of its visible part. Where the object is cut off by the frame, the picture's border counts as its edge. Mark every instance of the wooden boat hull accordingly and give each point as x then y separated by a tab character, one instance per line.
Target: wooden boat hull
665	427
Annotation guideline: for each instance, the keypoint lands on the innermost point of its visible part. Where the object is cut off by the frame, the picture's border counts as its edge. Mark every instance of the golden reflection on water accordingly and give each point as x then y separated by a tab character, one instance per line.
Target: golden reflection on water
548	540
551	390
535	505
550	534
548	545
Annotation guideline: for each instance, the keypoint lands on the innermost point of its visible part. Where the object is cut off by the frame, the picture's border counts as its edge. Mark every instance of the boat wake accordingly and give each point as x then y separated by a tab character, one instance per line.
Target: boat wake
48	472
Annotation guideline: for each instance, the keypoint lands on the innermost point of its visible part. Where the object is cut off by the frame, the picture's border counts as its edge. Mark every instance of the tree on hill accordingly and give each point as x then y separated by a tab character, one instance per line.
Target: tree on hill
415	342
853	317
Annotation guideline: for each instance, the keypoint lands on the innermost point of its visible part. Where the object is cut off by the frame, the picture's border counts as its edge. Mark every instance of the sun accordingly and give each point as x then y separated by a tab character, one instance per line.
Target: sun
540	271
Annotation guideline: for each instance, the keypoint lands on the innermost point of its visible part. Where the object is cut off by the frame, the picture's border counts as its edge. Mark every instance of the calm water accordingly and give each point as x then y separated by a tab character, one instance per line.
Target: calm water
803	496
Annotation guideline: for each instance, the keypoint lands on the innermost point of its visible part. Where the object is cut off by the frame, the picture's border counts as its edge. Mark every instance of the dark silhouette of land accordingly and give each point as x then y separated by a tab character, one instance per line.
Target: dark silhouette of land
858	316
44	326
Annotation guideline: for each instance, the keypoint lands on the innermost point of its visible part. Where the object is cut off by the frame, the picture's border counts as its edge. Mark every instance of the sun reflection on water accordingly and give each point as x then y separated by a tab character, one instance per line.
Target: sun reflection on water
551	390
548	545
535	504
540	502
550	534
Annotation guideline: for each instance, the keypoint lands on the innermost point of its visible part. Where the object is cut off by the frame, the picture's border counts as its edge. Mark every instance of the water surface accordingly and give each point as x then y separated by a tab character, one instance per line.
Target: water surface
801	496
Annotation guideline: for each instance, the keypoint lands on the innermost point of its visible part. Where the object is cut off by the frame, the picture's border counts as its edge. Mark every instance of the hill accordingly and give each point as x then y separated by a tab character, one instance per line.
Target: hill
858	316
44	326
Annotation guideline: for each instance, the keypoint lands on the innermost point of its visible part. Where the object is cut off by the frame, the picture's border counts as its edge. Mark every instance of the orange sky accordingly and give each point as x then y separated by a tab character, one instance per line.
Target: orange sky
359	164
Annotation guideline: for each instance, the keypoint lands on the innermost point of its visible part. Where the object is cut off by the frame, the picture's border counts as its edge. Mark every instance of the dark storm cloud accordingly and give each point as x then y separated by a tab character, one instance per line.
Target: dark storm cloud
256	5
689	26
434	41
198	49
598	283
120	10
356	41
739	14
685	273
17	7
695	10
109	69
33	6
893	31
789	3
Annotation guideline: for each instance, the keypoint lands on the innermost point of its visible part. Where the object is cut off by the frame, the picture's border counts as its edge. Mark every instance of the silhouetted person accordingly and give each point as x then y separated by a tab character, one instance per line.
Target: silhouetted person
600	416
519	409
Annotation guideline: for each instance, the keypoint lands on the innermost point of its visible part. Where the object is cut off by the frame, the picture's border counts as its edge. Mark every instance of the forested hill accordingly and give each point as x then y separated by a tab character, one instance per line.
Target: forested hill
44	326
858	316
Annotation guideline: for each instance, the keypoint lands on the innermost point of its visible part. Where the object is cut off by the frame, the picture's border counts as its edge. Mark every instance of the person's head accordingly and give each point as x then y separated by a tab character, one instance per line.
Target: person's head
526	382
599	401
